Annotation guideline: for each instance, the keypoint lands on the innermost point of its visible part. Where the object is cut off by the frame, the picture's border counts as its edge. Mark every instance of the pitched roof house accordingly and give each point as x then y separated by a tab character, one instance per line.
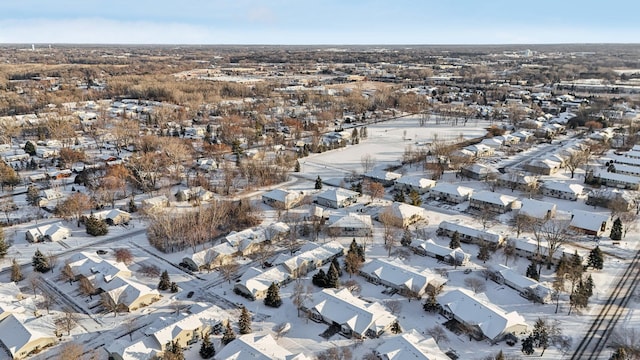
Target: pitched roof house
589	223
281	199
50	232
442	253
414	183
256	347
492	201
403	215
401	277
537	209
351	224
337	198
468	233
20	338
410	345
450	192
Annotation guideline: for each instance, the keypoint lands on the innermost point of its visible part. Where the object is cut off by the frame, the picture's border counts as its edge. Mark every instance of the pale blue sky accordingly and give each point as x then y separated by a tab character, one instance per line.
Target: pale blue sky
319	21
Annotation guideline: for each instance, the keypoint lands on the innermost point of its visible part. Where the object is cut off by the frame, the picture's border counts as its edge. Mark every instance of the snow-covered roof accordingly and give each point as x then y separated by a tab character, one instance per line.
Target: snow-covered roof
431	247
463	229
111	214
54	232
621	178
258	280
475	309
17	334
410	345
625	160
406	211
312	253
493	198
256	347
383	175
143	349
544	163
345	309
337	195
280	195
564	187
351	220
453	189
126	291
587	220
397	273
191	322
536	209
416	181
88	264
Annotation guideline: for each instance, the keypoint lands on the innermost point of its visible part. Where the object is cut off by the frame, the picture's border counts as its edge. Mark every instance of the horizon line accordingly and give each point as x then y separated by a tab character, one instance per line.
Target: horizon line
319	44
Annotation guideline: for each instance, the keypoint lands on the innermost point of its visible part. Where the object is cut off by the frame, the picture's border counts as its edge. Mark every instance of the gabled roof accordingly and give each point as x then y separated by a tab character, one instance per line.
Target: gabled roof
493	198
16	334
401	275
452	189
281	195
471	231
431	247
383	175
126	291
345	309
88	264
352	220
410	345
416	181
406	211
256	347
536	209
587	220
337	195
564	187
475	309
622	178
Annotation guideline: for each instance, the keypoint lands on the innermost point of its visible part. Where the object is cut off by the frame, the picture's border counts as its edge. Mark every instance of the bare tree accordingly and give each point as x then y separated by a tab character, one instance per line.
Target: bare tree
476	284
71	350
627	339
367	162
555	232
130	324
34	281
438	333
68	321
7	206
67	273
281	329
394	306
228	270
335	353
353	286
47	301
123	255
87	287
509	251
373	189
109	304
575	160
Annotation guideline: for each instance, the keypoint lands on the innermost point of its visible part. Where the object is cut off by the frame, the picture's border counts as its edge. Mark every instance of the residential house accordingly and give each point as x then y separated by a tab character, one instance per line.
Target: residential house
281	199
518	181
442	253
254	282
337	198
51	194
113	217
480	150
537	209
562	190
403	215
469	234
450	193
621	159
492	201
626	169
194	194
476	312
50	232
410	345
386	178
478	171
351	224
527	287
256	347
414	183
155	203
529	249
21	338
186	330
355	317
542	166
621	181
406	280
589	223
493	142
523	135
621	200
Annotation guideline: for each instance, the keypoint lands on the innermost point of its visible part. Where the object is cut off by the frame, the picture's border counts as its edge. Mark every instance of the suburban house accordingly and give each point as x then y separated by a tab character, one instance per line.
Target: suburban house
516	181
626	169
450	193
403	215
337	198
442	253
589	223
257	347
480	150
281	199
542	166
469	234
415	183
50	232
527	287
485	319
197	193
606	197
620	159
21	338
621	181
406	280
410	345
351	224
113	217
188	329
537	209
355	317
492	201
155	203
478	171
529	248
562	190
253	284
386	178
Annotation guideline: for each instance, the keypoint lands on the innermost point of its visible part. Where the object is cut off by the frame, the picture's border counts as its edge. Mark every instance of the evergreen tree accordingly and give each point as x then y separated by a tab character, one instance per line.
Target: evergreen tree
40	262
318	185
580	296
527	345
16	272
3	245
455	240
165	282
132	206
320	279
207	350
576	263
228	335
563	265
174	287
356	249
616	230
406	237
33	194
395	327
30	148
541	334
399	196
588	286
296	167
532	271
273	296
333	279
484	254
244	323
335	263
596	258
415	198
95	226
